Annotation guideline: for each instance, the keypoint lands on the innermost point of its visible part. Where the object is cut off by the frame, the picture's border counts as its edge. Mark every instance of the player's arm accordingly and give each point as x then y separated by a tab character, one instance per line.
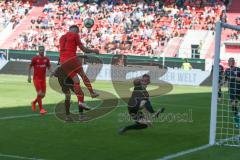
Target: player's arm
221	82
148	105
62	42
226	77
221	77
238	75
29	70
85	49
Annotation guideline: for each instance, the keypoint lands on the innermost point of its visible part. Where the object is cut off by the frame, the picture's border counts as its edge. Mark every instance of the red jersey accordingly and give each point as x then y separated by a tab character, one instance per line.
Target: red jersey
40	64
68	45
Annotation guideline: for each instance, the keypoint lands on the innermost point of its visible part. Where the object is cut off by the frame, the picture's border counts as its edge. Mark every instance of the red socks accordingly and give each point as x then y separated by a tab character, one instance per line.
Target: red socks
35	101
39	100
86	82
79	93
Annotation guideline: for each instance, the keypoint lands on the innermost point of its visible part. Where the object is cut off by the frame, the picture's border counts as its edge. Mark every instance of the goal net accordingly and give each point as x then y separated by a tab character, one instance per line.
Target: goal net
225	110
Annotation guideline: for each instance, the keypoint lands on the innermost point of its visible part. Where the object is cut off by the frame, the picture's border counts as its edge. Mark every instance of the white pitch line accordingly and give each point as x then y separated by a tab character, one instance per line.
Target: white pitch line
38	115
50	113
179	154
23	116
18	157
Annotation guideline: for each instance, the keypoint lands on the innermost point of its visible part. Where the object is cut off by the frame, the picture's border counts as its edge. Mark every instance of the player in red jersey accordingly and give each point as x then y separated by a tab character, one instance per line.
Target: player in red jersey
72	66
39	64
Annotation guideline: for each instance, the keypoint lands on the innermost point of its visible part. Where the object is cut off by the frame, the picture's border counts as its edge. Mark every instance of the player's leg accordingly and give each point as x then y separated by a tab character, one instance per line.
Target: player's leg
67	101
78	92
33	104
234	107
66	84
41	95
80	109
70	68
73	66
236	110
86	82
67	104
235	113
219	91
139	123
150	109
234	102
77	89
82	116
37	88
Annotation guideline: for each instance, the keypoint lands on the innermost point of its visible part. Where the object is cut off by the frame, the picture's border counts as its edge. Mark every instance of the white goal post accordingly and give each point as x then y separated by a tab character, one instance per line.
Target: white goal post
228	134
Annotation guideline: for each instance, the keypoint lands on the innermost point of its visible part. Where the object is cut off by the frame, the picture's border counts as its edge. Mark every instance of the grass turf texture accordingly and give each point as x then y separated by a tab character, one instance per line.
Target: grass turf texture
49	138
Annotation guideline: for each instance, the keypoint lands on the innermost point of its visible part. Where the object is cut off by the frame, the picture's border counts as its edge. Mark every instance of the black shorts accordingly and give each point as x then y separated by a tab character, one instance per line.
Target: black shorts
135	113
65	82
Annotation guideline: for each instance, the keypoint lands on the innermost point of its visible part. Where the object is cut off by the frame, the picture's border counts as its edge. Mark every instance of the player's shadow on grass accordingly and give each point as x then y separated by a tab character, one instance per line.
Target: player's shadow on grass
99	109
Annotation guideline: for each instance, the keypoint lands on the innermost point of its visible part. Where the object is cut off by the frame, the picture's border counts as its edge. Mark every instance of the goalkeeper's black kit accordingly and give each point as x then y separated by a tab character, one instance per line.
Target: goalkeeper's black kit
139	93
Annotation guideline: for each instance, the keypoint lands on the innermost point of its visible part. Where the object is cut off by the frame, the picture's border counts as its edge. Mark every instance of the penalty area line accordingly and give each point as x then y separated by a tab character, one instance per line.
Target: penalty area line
52	113
182	153
19	157
47	114
24	116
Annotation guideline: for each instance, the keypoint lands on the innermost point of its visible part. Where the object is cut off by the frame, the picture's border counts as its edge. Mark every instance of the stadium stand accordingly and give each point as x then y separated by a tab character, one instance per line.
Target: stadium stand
12	12
137	28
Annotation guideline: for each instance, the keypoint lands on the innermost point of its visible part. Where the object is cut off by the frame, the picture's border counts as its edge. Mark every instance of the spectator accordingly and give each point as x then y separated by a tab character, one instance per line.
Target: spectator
142	28
186	65
13	12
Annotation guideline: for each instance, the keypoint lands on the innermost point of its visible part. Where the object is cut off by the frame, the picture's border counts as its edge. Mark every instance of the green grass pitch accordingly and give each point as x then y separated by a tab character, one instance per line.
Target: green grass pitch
47	137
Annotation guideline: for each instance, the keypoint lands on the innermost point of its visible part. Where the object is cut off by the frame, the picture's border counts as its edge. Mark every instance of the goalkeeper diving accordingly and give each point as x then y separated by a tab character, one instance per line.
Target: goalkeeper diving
139	105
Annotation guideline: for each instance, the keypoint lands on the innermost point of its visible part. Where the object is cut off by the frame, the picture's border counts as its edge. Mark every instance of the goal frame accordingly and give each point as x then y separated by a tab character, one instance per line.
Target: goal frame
213	118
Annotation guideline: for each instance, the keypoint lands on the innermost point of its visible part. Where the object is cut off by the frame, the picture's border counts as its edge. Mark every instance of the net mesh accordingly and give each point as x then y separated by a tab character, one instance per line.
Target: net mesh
228	115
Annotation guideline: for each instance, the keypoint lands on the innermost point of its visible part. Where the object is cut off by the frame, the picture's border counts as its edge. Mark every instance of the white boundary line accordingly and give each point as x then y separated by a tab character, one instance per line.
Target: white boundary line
18	157
51	113
182	153
24	116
